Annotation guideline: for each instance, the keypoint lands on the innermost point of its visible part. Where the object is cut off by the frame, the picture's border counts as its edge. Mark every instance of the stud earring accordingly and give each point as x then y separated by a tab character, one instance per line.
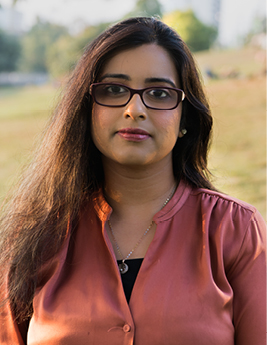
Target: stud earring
184	131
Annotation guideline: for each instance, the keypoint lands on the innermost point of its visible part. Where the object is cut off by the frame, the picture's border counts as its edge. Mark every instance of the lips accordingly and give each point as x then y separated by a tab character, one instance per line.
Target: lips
133	134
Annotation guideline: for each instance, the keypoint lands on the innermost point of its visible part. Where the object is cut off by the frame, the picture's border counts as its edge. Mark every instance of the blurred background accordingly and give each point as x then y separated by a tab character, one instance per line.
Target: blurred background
40	42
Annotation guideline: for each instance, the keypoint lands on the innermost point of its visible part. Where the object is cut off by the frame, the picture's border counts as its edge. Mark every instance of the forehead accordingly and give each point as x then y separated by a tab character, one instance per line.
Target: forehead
146	61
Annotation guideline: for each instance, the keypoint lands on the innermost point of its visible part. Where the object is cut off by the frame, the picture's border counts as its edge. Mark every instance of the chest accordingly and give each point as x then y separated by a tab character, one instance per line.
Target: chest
177	297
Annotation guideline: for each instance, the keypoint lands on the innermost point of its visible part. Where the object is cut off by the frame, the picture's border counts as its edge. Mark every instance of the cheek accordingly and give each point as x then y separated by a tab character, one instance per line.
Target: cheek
170	122
94	123
97	118
99	121
97	126
102	127
103	118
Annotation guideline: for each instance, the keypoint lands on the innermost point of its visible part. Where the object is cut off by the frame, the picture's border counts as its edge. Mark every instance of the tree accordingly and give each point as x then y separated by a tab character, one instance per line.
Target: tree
196	35
36	43
257	30
146	8
9	52
63	54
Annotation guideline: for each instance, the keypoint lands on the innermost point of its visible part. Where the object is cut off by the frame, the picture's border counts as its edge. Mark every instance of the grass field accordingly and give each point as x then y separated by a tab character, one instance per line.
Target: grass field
238	153
237	157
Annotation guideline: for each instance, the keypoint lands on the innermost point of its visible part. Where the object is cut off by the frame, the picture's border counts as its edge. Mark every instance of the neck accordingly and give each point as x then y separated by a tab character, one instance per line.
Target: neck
137	191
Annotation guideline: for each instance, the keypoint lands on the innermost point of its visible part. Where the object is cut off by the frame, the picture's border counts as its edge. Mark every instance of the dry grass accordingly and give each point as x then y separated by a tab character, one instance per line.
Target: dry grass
238	154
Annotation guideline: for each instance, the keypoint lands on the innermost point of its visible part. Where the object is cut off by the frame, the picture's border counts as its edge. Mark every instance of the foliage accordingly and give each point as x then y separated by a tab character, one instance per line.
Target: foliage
146	8
258	28
9	53
50	48
63	53
197	35
36	43
61	56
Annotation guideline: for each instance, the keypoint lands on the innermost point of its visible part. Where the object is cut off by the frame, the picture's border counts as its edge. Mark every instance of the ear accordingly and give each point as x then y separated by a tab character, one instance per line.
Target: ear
182	133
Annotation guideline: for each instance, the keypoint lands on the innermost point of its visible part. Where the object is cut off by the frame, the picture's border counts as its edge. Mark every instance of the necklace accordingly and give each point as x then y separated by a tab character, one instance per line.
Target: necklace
123	267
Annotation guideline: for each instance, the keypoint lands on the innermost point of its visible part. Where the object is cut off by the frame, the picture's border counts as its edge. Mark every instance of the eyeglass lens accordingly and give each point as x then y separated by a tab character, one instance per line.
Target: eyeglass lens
118	95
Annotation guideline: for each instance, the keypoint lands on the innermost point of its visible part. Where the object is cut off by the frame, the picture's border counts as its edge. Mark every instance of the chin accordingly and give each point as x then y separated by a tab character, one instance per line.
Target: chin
139	162
133	162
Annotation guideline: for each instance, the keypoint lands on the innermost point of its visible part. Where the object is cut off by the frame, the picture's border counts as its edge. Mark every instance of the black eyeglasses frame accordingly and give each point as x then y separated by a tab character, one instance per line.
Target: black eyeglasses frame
139	92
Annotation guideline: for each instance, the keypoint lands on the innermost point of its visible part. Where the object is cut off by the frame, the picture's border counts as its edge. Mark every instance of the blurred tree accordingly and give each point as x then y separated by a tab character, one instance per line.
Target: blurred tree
89	34
146	8
63	54
196	35
258	28
10	51
36	43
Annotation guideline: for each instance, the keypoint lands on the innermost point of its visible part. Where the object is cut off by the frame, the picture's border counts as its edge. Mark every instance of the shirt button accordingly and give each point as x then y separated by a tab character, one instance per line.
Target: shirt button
126	328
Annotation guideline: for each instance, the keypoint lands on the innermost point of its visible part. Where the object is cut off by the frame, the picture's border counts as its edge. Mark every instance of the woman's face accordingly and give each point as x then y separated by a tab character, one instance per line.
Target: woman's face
134	135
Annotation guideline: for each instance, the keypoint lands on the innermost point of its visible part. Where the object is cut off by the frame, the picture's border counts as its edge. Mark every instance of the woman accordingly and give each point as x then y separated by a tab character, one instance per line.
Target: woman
116	235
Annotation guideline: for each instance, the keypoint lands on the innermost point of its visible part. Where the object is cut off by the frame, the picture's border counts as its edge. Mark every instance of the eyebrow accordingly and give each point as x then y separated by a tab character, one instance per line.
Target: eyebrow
115	76
147	80
160	80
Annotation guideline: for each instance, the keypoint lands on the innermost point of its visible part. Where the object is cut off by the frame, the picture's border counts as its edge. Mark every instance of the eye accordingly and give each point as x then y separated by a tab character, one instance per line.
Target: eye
114	90
159	94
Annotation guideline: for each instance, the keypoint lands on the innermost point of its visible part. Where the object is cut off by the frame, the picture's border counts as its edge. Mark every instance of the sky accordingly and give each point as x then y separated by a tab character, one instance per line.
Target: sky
236	15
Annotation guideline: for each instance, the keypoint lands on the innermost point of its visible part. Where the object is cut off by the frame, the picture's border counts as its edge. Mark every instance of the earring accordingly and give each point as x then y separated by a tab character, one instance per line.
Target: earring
184	131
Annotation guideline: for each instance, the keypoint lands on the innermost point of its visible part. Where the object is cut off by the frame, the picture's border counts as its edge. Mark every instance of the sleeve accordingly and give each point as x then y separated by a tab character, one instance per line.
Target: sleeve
10	331
248	281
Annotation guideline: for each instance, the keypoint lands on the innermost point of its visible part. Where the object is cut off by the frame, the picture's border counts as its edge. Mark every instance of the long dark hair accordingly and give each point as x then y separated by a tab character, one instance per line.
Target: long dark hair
67	168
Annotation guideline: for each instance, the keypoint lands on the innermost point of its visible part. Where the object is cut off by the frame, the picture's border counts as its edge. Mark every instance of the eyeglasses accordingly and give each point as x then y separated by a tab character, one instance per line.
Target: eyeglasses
118	95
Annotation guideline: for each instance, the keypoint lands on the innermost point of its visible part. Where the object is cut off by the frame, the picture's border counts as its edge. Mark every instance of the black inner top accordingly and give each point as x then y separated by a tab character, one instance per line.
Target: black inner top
128	278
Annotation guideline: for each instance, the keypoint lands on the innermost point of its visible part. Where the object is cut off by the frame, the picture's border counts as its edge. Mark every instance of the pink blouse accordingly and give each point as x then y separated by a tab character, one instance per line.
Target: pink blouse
202	281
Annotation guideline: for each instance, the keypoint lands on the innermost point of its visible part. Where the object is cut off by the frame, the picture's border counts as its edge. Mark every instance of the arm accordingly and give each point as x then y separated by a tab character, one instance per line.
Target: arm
248	280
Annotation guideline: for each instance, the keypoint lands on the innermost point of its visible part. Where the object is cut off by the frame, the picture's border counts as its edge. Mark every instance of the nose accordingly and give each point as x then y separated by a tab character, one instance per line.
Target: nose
135	109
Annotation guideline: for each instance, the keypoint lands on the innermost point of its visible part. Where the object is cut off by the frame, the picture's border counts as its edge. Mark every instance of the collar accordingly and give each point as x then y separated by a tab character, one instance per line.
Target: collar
104	210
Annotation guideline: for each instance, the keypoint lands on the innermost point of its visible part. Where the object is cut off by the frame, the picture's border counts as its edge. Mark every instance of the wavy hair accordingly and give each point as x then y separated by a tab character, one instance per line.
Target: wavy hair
67	170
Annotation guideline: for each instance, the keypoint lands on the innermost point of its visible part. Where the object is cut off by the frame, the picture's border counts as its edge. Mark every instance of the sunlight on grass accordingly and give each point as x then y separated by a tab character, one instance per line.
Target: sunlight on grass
238	153
237	157
26	102
23	114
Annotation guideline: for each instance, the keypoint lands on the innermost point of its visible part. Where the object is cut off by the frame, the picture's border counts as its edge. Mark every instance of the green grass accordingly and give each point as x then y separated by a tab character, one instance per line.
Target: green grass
23	114
237	157
27	102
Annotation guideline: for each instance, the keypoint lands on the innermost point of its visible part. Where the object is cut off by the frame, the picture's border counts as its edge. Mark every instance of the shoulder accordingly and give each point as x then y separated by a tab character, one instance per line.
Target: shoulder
235	228
223	214
221	203
200	204
219	196
232	218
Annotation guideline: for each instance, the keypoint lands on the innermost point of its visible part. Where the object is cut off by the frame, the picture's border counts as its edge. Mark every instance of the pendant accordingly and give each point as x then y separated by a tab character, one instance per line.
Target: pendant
123	267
